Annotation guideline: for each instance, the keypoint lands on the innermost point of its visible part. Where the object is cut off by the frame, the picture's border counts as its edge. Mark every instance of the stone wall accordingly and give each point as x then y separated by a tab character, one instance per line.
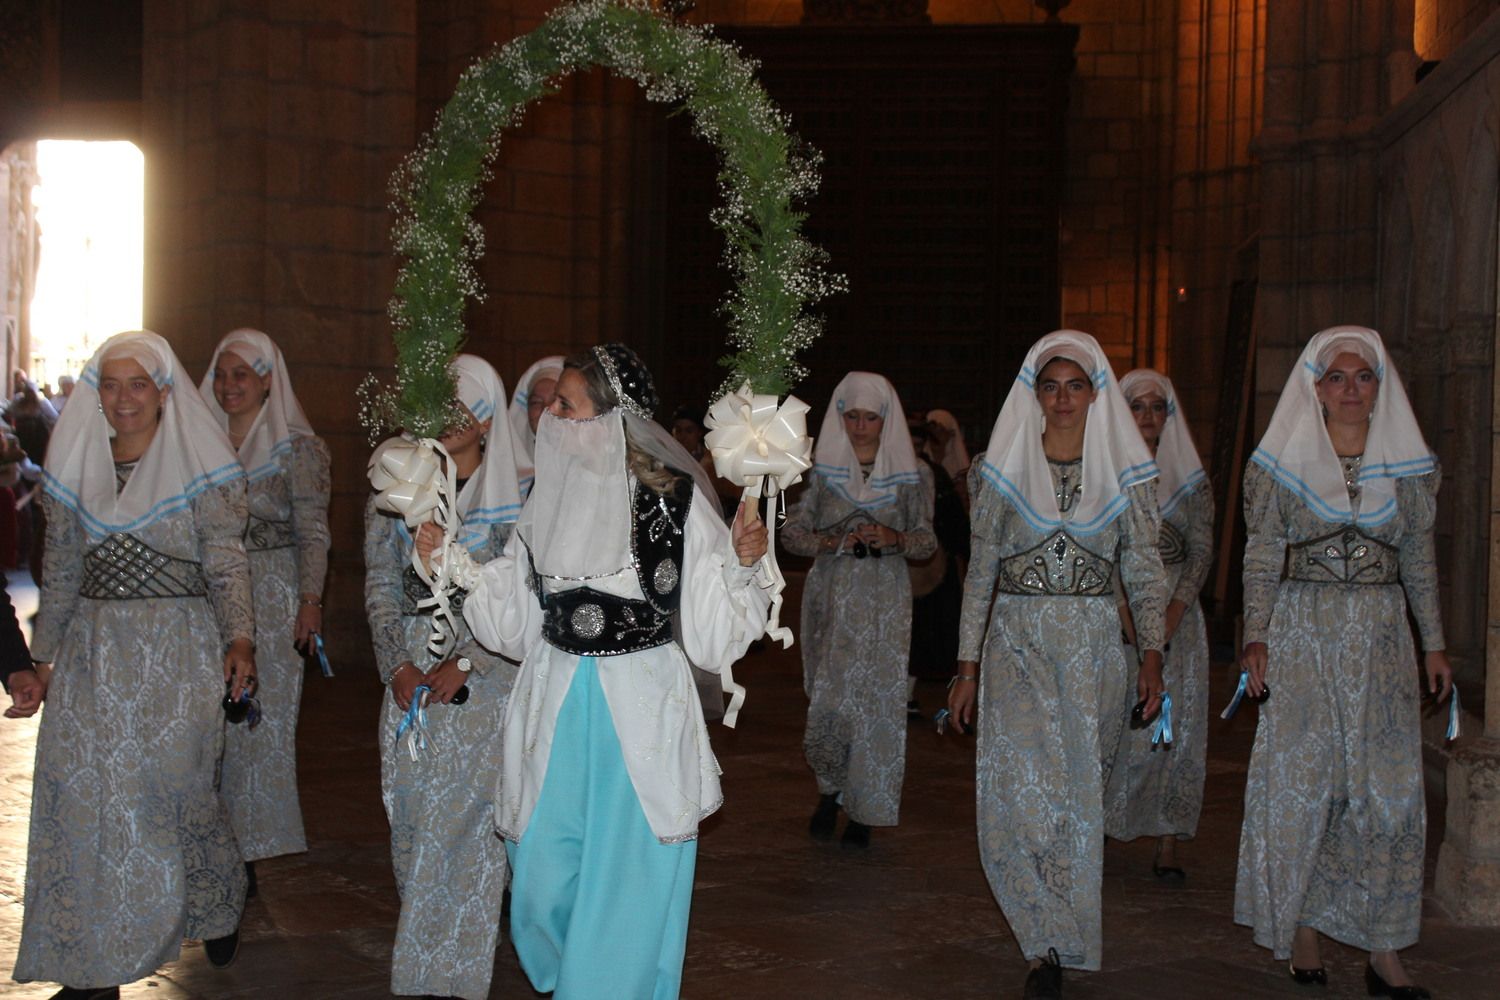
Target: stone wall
1441	26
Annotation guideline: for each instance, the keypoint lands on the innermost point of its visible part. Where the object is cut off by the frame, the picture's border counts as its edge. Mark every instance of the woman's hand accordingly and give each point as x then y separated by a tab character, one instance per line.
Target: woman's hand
309	621
28	688
404	682
749	535
1253	662
239	668
1439	674
1149	685
428	541
878	535
445	679
1175	610
963	695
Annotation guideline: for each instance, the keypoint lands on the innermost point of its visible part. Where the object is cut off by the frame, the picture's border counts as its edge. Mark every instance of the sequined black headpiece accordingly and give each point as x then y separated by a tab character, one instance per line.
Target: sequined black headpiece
629	379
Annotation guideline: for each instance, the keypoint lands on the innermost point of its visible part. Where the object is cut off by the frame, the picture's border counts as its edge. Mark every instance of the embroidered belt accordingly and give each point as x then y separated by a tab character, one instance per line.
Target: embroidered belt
261	534
1171	545
414	590
1347	555
1059	567
590	623
124	568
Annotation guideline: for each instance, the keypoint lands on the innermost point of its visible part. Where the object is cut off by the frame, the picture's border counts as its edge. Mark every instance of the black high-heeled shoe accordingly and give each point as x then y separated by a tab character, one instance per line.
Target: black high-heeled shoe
1045	981
1378	987
824	818
1308	977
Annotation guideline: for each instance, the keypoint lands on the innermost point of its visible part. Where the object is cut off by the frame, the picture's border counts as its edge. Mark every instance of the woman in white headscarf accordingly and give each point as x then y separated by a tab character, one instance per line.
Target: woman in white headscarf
1340	499
1154	793
146	586
450	867
534	393
607	768
946	447
248	389
1066	495
867	509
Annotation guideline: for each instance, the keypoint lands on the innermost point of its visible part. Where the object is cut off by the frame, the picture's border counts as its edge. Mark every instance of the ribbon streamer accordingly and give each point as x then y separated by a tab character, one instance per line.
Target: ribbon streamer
1452	714
1161	733
321	654
762	445
416	479
415	722
1239	696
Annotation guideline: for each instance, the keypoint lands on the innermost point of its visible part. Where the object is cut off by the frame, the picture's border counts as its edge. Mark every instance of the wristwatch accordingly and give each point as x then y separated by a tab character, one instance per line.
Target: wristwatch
464	664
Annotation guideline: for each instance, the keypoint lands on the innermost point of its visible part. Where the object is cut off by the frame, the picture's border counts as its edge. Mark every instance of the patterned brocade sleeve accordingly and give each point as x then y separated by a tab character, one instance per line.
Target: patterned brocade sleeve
384	563
1141	571
987	527
310	489
1265	551
797	535
1417	500
921	540
1198	519
62	577
219	516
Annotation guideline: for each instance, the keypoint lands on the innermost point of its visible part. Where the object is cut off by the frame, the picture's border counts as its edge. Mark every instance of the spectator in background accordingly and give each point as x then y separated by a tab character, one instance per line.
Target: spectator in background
64	390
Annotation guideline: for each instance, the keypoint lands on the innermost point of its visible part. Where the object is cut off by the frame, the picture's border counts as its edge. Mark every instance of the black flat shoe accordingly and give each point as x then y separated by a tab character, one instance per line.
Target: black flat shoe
251	889
1045	981
855	835
824	818
1308	977
87	993
221	951
1378	987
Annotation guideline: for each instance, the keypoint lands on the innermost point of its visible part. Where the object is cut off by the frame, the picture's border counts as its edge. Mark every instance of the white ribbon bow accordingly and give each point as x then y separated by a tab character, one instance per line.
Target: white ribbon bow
416	480
763	446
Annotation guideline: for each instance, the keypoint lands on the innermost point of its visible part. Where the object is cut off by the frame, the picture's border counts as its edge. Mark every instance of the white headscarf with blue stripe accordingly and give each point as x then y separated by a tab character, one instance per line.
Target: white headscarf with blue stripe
895	462
523	437
280	418
1298	453
187	455
1176	455
1114	455
491	496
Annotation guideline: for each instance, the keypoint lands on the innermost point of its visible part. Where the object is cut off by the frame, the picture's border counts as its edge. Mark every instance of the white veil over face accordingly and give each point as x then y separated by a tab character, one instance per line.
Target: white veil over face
1298	453
576	523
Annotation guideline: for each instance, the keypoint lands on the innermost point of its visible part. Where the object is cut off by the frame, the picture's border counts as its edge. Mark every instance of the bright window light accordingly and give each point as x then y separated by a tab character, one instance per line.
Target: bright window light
90	210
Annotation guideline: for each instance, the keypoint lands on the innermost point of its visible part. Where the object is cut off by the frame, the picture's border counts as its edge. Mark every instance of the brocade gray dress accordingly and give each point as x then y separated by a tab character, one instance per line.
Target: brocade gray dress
1155	792
287	539
856	641
450	865
130	847
1335	822
1054	696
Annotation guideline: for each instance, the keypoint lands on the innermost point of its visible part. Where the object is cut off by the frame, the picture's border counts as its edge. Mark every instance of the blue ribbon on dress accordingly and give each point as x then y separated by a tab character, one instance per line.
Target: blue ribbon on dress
1452	714
322	656
415	722
1161	733
1239	696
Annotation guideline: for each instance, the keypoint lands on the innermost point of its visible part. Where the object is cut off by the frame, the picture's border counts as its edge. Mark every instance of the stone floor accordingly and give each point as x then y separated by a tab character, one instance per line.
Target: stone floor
775	914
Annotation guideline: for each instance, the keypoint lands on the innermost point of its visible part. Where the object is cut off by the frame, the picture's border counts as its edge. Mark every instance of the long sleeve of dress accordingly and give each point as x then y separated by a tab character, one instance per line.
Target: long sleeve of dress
1265	551
219	516
921	540
385	559
1417	501
62	576
1198	519
986	525
310	488
501	610
723	608
1141	571
484	660
799	535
